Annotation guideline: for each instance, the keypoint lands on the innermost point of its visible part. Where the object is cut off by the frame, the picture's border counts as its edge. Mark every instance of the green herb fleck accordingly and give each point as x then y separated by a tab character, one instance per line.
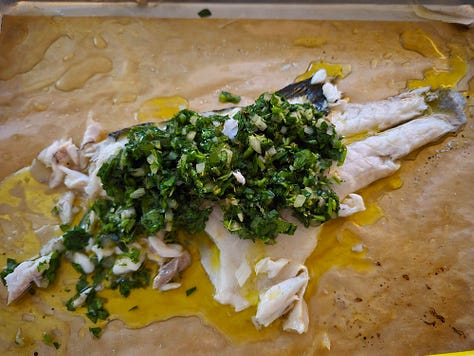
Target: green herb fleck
56	211
76	239
96	332
204	13
226	97
190	291
54	262
11	265
48	340
95	308
137	279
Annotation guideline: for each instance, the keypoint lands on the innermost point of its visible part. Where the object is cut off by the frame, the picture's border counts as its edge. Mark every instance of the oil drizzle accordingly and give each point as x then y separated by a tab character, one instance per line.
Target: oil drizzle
146	306
332	69
440	78
161	108
309	42
371	195
25	207
454	66
420	42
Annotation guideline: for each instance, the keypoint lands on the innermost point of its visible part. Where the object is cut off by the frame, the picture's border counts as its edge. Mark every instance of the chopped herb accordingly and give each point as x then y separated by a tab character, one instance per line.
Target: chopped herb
137	279
77	267
82	283
135	307
190	291
96	331
11	265
204	13
54	262
56	211
64	227
282	150
76	239
226	97
95	307
48	340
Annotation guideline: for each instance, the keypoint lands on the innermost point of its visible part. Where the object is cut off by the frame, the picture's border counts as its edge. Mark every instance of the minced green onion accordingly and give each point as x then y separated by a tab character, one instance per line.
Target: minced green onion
226	97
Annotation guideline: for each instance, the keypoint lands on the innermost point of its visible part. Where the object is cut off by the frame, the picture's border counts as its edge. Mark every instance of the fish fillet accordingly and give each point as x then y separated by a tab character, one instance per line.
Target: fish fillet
367	160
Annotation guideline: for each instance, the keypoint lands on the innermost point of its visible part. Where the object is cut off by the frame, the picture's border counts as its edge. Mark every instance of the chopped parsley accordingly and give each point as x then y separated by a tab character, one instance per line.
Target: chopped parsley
283	151
137	279
11	265
226	97
76	239
95	307
190	291
204	13
53	265
48	340
96	331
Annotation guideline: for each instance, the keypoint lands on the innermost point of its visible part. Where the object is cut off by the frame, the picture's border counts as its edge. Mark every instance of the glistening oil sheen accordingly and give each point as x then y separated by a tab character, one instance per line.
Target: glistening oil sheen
46	308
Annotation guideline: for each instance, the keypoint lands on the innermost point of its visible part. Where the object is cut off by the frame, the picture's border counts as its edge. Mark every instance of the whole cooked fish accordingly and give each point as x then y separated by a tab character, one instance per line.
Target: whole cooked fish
393	128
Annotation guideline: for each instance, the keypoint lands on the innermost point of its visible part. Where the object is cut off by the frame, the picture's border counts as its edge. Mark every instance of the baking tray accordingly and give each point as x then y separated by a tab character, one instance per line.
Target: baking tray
314	10
334	16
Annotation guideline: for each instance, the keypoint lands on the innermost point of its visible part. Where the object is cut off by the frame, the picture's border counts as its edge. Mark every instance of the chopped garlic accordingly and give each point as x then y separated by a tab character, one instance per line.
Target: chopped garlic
81	299
83	261
299	201
124	264
102	252
19	340
240	178
231	127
